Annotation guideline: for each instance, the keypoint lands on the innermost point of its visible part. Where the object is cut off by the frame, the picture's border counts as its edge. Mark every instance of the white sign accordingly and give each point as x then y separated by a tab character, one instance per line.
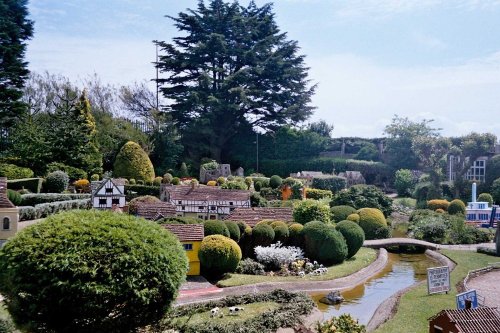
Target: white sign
438	279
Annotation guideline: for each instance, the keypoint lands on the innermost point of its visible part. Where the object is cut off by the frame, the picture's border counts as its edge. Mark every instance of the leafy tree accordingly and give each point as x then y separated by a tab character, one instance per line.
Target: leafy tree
368	152
362	196
404	182
232	67
492	170
401	134
15	29
321	127
495	190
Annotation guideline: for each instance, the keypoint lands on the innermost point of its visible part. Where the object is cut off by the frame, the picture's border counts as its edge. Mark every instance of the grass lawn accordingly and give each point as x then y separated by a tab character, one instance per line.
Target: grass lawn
416	306
250	311
362	259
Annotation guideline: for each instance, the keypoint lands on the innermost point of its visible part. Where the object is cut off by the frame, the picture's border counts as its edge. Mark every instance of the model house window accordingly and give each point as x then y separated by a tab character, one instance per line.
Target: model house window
471	217
179	202
201	207
6	223
483	217
230	203
115	201
482	206
213	217
102	201
109	190
183	207
212	207
477	171
188	247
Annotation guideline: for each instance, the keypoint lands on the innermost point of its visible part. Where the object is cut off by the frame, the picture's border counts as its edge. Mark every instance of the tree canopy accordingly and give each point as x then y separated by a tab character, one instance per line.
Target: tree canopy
230	68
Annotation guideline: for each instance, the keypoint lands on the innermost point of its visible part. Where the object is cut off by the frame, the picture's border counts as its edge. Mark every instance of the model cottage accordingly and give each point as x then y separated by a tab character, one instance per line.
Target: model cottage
108	193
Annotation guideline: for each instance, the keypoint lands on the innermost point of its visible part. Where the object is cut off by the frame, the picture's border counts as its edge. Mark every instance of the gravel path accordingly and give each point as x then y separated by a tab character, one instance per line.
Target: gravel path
487	285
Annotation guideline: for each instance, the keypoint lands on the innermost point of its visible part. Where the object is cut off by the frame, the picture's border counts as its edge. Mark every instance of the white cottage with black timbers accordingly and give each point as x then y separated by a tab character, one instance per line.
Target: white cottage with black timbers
108	193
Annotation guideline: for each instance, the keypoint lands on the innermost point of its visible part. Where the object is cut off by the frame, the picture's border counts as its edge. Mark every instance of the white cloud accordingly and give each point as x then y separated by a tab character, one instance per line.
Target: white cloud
429	41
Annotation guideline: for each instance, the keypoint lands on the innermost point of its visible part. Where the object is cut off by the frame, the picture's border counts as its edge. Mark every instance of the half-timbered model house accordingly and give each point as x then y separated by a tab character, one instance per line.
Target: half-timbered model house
254	215
108	193
204	202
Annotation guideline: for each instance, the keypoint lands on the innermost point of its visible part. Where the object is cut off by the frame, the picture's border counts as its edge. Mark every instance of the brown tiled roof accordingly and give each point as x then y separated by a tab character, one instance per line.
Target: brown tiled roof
186	232
206	193
254	215
480	320
4	200
153	210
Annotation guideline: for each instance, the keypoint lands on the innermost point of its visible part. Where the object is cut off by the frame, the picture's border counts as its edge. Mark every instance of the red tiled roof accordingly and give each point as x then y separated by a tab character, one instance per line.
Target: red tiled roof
152	210
254	215
186	232
4	200
480	320
206	193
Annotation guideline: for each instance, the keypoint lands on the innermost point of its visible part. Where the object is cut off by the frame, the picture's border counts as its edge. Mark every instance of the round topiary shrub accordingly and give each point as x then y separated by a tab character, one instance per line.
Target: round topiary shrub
257	185
176	181
370	220
263	235
234	230
311	210
323	243
275	181
132	181
95	177
133	162
215	227
281	232
167	178
136	202
353	235
353	217
340	213
14	197
295	235
221	180
157	181
70	272
211	183
56	182
485	197
437	204
219	255
456	206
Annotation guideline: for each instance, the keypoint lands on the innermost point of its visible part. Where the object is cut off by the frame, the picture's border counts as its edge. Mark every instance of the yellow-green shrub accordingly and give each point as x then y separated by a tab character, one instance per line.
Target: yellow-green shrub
353	217
212	183
370	220
296	237
157	181
218	255
456	206
437	204
133	162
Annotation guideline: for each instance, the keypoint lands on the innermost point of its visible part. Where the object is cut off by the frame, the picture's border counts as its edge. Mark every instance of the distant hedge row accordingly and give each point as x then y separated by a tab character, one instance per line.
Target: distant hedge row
50	208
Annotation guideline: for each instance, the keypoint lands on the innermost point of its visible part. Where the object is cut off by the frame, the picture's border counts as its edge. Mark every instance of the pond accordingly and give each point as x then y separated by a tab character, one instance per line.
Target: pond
401	271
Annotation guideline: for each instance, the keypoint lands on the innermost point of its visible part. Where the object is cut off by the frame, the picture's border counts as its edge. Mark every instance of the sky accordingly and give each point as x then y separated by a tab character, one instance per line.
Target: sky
371	59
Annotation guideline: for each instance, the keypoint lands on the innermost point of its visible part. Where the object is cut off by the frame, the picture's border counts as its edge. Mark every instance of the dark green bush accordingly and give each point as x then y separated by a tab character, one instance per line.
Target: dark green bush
311	210
256	200
71	271
73	173
434	232
370	220
235	185
257	186
263	235
404	182
363	196
218	255
34	185
214	227
353	235
313	193
234	230
136	202
12	171
27	213
330	183
323	243
340	213
281	232
56	182
270	194
14	197
133	191
33	199
296	236
485	197
495	190
456	206
180	220
250	266
275	181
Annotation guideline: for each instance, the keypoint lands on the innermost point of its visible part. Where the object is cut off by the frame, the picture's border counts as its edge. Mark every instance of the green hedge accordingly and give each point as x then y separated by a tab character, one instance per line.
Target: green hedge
51	208
262	235
39	198
311	210
330	183
34	185
216	228
12	171
340	213
180	220
312	193
141	190
73	173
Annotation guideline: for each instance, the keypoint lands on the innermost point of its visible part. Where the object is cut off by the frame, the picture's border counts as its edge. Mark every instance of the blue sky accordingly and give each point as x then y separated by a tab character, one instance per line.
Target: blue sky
434	59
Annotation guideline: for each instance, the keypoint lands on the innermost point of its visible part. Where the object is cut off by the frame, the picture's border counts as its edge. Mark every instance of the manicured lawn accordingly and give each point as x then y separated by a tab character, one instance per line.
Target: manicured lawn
362	259
416	306
250	311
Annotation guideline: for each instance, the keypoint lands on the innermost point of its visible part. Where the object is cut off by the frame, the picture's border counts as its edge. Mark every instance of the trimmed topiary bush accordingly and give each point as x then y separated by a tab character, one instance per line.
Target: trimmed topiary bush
219	255
214	227
71	271
211	183
167	178
324	244
340	213
311	210
132	181
221	180
353	235
72	172
133	162
14	197
485	197
281	232
176	181
234	230
371	219
437	204
363	196
56	182
12	171
262	235
257	185
330	183
95	177
295	235
456	206
353	217
136	202
157	181
313	193
275	181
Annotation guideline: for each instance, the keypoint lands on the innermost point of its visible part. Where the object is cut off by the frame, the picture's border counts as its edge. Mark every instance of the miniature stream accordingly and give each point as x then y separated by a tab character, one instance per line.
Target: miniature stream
401	271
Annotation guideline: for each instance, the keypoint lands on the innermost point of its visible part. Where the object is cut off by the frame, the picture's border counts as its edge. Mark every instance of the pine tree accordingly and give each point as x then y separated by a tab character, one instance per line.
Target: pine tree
231	68
15	29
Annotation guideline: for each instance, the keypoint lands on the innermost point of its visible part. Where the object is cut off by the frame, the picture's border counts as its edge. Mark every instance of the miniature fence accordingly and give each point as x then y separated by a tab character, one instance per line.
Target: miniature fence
471	274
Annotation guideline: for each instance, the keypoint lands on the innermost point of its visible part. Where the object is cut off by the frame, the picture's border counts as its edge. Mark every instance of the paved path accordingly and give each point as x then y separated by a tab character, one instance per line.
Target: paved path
487	285
379	243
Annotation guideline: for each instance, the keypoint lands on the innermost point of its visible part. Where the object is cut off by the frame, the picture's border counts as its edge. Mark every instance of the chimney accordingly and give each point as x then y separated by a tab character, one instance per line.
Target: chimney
474	192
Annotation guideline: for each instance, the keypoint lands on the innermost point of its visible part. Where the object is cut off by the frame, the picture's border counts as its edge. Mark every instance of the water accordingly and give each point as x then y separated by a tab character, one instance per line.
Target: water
401	271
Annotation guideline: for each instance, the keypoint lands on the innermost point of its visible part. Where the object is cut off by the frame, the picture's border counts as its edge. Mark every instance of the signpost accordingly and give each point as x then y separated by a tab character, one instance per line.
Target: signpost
469	297
438	280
